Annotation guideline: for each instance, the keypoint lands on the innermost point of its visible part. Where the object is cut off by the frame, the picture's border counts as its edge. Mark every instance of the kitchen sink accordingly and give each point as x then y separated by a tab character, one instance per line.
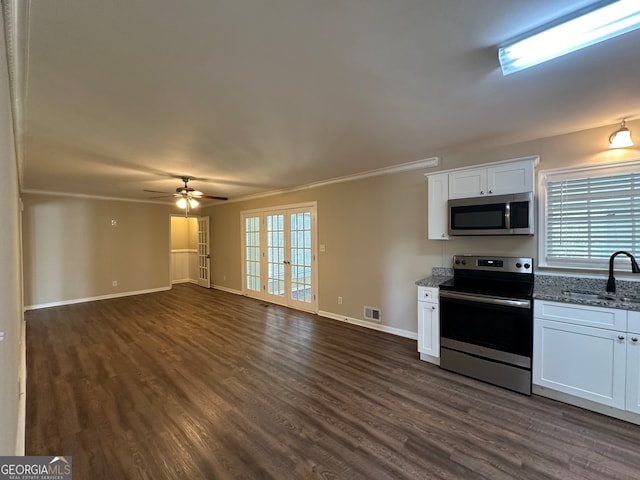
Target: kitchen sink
582	296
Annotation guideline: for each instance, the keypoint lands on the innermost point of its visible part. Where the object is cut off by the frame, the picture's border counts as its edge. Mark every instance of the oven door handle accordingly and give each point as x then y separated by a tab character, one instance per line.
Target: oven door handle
507	302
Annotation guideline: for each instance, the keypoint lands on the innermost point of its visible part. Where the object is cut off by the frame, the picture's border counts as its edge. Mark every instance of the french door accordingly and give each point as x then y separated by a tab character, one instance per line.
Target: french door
204	257
279	256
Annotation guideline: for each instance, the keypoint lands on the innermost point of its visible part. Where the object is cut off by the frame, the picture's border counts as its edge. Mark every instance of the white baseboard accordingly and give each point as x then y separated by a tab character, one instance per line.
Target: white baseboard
226	289
373	326
341	318
184	280
91	299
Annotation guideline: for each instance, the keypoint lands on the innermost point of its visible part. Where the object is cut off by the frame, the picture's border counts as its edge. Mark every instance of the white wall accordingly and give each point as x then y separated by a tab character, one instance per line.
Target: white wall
11	318
75	248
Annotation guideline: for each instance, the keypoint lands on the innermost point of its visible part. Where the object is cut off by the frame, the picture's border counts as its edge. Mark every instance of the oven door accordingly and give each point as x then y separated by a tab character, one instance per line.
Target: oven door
499	329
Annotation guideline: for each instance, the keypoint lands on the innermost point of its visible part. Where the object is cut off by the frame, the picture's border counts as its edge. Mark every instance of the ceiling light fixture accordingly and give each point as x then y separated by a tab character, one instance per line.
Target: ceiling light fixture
621	138
182	202
597	23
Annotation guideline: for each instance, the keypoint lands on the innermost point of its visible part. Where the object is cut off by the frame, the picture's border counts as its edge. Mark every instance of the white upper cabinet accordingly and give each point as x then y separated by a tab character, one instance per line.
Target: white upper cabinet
438	221
500	179
467	183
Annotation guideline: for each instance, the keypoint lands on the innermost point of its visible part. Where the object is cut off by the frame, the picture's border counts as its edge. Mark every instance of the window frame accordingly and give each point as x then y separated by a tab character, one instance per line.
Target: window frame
573	173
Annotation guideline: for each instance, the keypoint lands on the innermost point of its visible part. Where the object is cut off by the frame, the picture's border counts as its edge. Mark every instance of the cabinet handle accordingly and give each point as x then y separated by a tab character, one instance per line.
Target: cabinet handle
634	339
620	337
433	307
444	235
481	192
490	191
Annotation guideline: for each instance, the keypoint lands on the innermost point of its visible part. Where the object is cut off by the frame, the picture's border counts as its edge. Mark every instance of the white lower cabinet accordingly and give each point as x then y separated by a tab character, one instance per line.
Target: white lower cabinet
600	364
633	363
583	361
428	324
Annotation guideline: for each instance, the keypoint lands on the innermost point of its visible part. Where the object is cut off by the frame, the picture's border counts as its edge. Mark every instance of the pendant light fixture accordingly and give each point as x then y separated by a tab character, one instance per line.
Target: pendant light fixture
621	138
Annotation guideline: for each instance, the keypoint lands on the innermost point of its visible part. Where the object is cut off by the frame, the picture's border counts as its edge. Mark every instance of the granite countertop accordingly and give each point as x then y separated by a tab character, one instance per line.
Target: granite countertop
438	275
433	280
585	291
566	289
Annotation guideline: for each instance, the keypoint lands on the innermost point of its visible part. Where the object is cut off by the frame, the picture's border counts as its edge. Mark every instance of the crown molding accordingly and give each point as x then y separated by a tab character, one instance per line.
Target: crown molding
404	167
16	24
91	197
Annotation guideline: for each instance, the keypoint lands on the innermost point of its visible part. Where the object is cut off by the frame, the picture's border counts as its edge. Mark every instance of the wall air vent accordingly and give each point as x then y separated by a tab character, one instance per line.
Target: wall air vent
371	313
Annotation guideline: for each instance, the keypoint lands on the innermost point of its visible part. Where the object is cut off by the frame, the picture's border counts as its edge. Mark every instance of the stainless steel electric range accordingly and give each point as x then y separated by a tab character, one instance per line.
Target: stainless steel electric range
486	320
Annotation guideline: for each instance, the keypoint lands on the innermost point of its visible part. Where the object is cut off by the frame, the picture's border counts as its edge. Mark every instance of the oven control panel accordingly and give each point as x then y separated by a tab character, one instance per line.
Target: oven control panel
496	264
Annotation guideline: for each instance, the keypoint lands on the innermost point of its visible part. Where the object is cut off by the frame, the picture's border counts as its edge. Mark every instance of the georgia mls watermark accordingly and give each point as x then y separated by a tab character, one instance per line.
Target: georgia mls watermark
35	468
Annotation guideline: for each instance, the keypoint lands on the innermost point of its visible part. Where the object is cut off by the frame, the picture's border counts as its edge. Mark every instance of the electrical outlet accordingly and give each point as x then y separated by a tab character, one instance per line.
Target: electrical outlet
114	283
339	300
1	336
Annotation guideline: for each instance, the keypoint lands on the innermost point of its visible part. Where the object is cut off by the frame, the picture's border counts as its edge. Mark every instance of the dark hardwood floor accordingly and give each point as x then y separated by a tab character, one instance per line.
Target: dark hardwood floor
195	383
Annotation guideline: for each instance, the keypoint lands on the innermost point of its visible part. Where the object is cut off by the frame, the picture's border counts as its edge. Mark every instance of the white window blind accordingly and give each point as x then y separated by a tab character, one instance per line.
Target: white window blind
589	215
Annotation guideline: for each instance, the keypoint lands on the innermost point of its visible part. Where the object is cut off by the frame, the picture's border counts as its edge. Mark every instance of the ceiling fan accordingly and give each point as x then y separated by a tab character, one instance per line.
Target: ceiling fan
187	196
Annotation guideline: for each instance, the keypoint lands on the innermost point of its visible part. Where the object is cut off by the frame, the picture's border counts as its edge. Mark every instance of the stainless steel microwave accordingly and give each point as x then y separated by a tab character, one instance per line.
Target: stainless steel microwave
492	215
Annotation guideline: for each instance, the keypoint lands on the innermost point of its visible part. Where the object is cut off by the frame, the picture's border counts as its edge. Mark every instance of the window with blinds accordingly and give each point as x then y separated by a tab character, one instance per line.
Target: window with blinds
590	213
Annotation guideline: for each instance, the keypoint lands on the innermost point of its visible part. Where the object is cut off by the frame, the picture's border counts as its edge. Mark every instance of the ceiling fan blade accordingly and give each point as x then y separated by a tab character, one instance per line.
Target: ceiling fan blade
162	196
157	191
212	197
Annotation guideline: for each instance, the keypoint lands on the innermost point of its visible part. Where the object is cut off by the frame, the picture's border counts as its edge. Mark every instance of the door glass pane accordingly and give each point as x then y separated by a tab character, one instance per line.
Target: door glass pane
252	253
300	253
275	254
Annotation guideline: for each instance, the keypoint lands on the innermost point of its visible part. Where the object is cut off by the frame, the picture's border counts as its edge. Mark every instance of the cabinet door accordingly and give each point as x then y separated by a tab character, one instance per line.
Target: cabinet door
633	363
582	361
633	372
467	183
515	177
429	329
438	221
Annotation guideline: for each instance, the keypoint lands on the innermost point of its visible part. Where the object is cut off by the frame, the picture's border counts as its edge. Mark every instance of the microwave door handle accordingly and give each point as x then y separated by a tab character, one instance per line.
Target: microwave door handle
507	214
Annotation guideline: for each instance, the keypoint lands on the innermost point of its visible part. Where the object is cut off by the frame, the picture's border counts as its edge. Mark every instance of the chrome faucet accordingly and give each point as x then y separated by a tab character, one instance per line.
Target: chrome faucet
611	282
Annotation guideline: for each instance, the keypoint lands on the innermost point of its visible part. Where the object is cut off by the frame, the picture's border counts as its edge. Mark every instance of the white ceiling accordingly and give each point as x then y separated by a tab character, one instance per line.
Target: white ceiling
259	95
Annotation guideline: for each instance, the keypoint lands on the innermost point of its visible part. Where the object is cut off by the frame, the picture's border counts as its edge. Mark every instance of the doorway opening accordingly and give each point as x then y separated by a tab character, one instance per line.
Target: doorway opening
190	250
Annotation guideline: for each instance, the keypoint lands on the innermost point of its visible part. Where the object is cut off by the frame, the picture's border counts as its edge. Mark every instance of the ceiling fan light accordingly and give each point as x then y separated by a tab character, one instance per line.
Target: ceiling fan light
193	203
182	202
621	138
